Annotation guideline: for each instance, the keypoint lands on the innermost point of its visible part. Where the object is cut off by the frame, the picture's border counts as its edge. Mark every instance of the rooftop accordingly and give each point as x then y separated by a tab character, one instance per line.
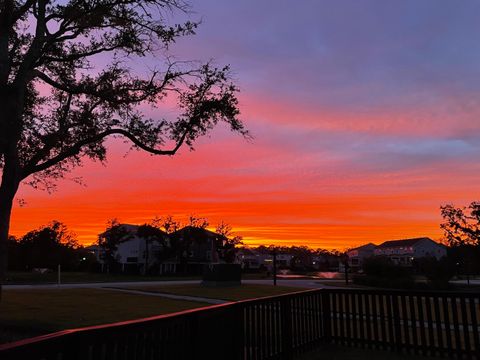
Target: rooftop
402	243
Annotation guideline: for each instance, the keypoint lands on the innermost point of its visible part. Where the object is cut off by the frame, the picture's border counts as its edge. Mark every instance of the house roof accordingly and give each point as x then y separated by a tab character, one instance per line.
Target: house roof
192	230
402	243
131	231
366	246
195	234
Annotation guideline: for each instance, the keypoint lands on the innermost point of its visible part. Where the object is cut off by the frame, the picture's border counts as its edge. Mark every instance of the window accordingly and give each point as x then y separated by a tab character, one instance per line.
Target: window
132	259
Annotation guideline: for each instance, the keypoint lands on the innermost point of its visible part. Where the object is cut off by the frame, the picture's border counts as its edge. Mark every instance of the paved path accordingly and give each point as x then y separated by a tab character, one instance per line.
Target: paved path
465	282
98	284
305	283
169	296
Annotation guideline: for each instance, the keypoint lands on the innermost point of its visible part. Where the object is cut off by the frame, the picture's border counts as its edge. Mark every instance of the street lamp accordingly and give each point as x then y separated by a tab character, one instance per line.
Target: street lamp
274	253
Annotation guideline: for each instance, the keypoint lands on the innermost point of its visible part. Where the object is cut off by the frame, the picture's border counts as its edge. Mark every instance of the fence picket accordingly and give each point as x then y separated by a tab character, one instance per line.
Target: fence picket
278	327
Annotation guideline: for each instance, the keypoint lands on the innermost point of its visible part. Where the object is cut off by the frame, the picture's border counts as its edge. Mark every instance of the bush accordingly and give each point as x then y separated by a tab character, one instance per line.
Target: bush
382	266
380	271
437	272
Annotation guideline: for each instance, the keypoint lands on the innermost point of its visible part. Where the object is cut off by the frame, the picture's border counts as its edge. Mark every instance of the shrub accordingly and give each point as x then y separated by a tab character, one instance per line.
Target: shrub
382	266
380	271
437	272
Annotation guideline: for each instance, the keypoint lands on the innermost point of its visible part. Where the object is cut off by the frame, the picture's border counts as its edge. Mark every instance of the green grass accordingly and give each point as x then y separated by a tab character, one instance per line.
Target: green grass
243	292
25	277
25	313
19	277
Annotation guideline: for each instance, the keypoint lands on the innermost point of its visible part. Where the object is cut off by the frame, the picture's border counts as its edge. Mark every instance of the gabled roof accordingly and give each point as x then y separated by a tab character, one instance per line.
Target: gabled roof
402	243
192	232
131	232
364	247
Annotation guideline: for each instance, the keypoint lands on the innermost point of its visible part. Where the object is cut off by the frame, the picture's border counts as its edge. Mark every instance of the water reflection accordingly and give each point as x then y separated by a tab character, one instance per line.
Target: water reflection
288	274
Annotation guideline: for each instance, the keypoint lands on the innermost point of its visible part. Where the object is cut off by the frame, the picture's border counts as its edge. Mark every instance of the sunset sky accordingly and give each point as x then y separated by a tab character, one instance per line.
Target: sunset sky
365	118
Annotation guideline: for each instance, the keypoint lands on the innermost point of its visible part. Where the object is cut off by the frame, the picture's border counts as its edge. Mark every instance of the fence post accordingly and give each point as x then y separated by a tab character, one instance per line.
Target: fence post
326	316
239	335
286	323
397	332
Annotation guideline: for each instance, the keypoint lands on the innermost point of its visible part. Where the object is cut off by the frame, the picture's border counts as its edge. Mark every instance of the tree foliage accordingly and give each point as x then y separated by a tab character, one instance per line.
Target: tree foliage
71	76
228	242
461	226
153	234
71	104
46	247
109	240
168	224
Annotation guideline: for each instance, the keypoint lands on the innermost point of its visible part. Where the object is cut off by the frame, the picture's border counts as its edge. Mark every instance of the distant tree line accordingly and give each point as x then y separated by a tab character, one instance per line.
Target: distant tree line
46	248
303	256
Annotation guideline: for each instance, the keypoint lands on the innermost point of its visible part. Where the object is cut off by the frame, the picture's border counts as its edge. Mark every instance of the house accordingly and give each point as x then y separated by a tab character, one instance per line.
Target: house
403	252
283	261
194	248
134	251
356	256
249	259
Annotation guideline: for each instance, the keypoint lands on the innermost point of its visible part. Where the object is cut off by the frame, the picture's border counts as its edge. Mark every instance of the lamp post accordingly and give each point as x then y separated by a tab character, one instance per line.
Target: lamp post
274	253
59	281
346	266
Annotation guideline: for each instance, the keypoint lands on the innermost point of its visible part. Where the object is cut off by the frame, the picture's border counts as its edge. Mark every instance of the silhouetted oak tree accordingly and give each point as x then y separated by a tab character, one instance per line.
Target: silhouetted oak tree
70	78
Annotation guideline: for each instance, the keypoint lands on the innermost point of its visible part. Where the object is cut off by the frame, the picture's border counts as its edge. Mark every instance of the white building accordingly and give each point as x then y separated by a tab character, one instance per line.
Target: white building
403	252
356	256
133	252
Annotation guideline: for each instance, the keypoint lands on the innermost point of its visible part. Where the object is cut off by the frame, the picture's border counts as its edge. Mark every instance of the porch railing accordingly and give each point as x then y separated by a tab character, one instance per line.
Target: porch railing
279	327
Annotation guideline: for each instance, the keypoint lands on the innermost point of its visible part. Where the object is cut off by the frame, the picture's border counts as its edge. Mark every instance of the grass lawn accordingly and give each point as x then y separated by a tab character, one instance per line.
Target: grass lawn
24	277
243	292
26	313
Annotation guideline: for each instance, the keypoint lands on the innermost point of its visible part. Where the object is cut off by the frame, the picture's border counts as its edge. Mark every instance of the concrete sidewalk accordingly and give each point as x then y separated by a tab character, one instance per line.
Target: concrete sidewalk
169	296
304	283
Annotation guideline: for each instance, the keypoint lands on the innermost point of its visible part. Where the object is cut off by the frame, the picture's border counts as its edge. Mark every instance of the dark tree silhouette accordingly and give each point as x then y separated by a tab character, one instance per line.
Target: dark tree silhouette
461	225
167	224
109	240
61	99
197	222
228	242
48	247
461	228
152	233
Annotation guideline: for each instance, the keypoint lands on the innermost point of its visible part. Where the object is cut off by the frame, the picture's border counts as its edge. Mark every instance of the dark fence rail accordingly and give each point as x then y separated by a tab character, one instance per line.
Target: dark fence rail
427	323
279	327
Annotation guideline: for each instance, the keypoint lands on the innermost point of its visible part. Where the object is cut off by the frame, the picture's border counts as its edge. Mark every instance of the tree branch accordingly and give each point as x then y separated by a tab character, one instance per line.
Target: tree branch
33	53
22	10
75	149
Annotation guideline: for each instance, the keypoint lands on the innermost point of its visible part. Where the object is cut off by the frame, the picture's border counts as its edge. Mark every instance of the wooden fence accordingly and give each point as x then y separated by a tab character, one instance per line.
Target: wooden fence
427	323
279	327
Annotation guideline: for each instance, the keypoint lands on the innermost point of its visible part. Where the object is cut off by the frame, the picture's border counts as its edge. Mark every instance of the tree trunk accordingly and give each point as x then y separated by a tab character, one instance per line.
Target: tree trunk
8	189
